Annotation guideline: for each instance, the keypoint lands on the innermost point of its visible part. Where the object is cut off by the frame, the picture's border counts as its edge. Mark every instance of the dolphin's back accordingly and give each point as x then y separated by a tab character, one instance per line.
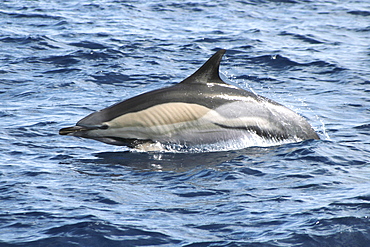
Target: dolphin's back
180	93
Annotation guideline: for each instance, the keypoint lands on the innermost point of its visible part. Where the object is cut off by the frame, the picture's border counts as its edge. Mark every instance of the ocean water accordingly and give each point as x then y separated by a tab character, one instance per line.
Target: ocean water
61	60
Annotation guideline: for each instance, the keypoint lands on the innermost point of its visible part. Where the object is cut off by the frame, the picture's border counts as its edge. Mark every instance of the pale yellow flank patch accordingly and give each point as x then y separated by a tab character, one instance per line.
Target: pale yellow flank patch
164	114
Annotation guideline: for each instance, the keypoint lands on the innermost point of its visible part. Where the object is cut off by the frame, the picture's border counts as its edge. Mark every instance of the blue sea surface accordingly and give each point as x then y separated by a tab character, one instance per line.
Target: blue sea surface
61	60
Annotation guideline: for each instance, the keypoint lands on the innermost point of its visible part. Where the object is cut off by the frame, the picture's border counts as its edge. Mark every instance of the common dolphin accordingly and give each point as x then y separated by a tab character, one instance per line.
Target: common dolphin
202	109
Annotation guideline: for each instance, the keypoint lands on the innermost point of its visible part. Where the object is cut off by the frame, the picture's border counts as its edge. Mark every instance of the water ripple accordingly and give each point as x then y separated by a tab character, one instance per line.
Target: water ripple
62	60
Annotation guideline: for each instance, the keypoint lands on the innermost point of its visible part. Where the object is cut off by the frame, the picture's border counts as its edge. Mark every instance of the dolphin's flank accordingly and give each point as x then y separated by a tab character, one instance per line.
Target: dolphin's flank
202	109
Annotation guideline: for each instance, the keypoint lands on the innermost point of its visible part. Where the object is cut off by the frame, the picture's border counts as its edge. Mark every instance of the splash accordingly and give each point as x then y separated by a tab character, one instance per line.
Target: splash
247	141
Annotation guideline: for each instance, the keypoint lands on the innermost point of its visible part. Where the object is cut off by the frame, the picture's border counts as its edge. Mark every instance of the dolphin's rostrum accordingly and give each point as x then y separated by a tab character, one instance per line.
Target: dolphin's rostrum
202	109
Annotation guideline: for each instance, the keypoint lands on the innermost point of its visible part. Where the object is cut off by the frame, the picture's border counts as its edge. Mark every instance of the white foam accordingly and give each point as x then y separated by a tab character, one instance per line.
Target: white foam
251	140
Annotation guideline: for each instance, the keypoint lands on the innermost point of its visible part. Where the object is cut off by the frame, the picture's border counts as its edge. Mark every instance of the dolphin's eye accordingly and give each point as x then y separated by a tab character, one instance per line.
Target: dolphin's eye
104	127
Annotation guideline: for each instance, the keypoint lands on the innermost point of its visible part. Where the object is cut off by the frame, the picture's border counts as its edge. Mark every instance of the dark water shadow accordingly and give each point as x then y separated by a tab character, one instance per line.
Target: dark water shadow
176	162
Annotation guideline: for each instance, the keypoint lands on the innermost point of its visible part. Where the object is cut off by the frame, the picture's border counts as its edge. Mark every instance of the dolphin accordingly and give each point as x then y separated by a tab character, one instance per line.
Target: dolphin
202	109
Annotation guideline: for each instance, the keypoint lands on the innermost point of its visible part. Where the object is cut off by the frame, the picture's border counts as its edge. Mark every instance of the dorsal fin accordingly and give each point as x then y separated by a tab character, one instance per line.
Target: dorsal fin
209	72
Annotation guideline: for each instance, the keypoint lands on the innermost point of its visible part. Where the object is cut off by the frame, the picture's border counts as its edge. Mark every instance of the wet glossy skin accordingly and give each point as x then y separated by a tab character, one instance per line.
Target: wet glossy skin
202	109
